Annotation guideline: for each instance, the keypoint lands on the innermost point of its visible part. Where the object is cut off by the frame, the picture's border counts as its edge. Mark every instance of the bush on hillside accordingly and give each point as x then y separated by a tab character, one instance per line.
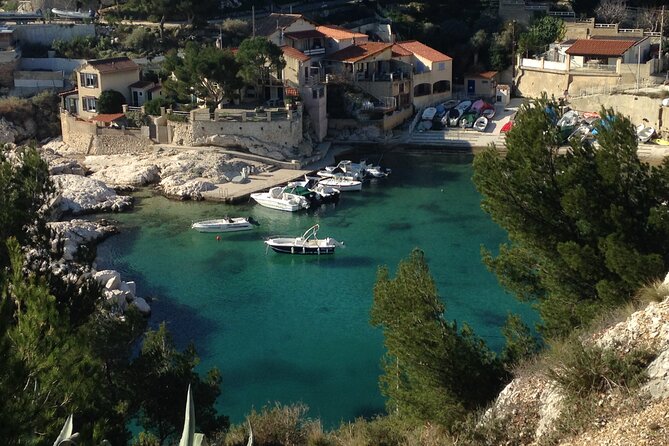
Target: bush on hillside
110	101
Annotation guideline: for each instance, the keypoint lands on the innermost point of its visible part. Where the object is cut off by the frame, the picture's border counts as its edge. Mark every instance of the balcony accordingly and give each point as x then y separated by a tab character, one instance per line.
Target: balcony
314	51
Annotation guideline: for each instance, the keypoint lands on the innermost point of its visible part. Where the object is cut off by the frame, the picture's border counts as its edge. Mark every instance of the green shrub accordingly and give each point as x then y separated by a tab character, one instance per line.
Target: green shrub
110	101
581	370
152	107
177	118
655	292
141	41
277	425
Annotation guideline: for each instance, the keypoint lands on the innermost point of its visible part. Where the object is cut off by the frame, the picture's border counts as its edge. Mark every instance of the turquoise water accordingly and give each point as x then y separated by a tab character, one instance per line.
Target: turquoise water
292	328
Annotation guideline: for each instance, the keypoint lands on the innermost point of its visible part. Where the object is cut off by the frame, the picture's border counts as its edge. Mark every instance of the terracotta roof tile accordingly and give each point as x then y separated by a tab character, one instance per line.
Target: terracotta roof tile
113	64
399	50
592	47
109	117
355	53
487	74
422	50
267	25
308	34
141	84
338	33
294	53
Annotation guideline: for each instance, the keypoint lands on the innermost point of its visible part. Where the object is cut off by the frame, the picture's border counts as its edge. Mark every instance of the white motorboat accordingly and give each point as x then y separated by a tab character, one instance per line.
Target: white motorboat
428	114
307	244
225	224
73	14
481	123
644	133
276	198
377	172
342	183
569	119
324	193
453	116
346	168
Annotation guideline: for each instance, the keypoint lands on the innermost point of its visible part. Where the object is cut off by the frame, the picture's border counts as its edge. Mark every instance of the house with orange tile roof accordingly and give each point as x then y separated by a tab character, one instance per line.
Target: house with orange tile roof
482	84
98	75
432	72
577	65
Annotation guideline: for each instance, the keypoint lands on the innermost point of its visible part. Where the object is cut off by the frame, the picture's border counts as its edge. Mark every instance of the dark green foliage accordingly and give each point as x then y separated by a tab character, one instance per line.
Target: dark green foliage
110	101
520	343
540	34
587	228
79	47
162	375
258	58
152	107
433	371
141	41
208	72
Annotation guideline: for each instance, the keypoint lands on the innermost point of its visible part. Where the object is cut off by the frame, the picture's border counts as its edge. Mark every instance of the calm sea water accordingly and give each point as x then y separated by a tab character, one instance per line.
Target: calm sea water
292	328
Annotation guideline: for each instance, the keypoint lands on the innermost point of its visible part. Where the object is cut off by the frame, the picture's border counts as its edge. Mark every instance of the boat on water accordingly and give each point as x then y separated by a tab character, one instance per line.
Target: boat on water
307	244
225	224
276	198
481	123
342	183
323	193
377	172
66	14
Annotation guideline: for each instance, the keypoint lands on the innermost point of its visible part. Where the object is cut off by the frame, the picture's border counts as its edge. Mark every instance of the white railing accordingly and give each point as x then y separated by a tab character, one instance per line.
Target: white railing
562	13
630	30
596	67
314	51
652	33
606	25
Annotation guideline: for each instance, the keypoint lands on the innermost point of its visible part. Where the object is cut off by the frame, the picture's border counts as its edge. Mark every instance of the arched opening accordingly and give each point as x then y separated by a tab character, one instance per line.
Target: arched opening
422	90
441	87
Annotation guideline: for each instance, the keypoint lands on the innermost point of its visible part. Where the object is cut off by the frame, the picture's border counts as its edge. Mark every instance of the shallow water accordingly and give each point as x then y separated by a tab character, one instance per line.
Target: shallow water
292	328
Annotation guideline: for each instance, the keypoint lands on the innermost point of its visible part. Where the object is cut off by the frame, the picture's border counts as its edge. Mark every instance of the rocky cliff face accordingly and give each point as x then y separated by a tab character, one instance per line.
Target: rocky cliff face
535	410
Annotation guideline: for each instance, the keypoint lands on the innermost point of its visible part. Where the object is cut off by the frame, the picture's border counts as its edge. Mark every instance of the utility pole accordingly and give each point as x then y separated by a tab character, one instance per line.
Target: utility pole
661	37
638	65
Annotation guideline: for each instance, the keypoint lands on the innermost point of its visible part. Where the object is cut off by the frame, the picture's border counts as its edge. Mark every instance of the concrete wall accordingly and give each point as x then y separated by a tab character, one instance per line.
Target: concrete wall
45	34
39	79
86	138
285	133
51	64
636	107
9	60
317	109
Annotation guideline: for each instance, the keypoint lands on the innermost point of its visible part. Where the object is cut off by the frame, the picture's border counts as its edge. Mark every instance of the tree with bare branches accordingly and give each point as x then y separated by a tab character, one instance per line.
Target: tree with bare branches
612	11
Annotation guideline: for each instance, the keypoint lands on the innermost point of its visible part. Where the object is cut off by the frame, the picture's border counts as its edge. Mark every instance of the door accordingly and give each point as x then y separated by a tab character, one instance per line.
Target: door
135	98
471	86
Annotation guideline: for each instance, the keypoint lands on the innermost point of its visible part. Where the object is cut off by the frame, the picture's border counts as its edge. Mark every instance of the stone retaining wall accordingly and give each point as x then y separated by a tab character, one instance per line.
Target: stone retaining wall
636	107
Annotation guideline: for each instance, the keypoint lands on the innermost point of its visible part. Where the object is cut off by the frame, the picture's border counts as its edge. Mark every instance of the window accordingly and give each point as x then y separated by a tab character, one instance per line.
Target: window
89	103
314	94
89	80
484	82
442	66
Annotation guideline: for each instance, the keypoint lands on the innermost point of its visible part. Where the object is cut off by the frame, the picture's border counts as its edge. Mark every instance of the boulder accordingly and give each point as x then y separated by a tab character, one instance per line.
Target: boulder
113	283
104	276
79	195
141	305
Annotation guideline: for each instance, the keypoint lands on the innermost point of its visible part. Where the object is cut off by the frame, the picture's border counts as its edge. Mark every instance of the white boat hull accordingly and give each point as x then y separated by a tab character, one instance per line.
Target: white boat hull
342	185
223	225
289	204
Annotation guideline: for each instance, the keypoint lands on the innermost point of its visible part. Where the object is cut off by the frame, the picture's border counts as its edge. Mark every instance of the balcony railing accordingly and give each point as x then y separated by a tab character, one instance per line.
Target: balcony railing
314	51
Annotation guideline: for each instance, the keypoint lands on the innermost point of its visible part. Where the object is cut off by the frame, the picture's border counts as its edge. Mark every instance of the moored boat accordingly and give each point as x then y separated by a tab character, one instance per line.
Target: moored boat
428	113
307	244
481	123
225	224
276	198
73	14
644	133
342	183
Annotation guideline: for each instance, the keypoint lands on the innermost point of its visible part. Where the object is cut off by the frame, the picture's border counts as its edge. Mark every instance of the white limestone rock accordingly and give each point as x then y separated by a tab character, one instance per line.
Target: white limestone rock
75	233
113	283
658	377
8	133
141	305
129	287
105	275
79	195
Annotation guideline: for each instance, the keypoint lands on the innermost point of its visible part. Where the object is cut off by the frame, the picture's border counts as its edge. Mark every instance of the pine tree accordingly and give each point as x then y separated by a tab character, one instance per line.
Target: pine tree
587	226
433	371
